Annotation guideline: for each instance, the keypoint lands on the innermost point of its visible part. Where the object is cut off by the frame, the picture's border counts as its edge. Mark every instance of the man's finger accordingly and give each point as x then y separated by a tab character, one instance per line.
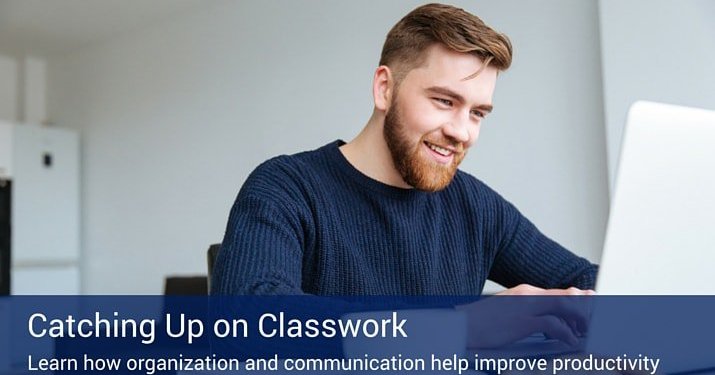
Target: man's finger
556	328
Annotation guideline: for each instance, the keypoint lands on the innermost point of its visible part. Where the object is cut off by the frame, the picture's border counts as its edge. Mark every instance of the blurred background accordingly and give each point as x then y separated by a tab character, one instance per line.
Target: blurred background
170	104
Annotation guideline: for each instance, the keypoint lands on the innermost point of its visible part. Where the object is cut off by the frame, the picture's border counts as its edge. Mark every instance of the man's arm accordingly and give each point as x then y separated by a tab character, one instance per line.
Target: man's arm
262	250
527	256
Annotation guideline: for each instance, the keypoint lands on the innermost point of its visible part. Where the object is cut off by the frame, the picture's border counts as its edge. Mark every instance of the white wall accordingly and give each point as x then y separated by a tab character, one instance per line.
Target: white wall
35	87
23	89
660	50
8	88
174	118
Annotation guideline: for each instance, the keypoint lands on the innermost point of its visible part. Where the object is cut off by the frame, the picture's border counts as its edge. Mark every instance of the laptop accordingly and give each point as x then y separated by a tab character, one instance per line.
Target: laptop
660	240
661	229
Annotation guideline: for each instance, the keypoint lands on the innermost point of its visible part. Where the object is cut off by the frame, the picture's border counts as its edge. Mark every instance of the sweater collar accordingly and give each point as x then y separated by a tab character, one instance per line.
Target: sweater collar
341	163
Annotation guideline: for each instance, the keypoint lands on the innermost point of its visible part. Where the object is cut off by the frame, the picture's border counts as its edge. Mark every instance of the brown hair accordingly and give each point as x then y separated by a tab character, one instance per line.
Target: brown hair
455	28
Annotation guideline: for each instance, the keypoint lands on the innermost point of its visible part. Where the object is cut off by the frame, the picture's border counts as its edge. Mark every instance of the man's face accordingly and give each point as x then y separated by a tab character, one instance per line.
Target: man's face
435	115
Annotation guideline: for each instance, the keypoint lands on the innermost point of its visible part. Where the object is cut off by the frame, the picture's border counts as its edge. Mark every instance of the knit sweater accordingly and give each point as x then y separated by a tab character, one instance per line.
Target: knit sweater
312	223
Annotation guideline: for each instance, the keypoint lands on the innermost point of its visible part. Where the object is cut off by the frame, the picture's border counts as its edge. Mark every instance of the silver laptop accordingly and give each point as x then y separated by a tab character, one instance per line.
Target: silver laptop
661	240
661	229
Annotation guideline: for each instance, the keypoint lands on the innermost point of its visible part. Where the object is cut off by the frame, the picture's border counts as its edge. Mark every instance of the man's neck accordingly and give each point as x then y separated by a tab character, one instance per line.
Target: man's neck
369	154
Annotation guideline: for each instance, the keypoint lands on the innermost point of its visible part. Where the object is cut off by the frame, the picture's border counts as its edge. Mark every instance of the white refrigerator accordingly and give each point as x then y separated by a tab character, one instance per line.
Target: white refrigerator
41	165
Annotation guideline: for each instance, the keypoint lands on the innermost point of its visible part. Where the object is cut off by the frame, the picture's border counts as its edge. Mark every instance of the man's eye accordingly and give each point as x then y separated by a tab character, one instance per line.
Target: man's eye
445	102
478	114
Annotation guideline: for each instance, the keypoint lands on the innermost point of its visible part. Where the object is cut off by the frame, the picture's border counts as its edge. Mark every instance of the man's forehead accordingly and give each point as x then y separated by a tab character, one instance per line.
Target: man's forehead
479	71
439	56
456	68
456	74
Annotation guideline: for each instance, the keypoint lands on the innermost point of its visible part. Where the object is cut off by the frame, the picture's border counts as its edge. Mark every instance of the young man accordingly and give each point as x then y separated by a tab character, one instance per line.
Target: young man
389	213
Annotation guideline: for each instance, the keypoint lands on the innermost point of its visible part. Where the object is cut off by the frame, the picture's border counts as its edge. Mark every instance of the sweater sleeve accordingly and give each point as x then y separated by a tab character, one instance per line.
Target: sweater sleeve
262	249
261	252
525	255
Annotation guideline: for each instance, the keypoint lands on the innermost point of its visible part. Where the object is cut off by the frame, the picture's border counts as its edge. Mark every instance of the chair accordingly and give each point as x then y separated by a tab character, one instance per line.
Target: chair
211	255
193	285
185	286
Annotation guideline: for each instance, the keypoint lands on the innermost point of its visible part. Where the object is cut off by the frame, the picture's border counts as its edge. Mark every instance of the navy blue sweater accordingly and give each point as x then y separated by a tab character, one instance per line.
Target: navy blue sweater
312	223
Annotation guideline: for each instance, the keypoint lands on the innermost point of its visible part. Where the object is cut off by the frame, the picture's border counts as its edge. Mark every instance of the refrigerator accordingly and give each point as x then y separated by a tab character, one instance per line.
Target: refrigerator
39	210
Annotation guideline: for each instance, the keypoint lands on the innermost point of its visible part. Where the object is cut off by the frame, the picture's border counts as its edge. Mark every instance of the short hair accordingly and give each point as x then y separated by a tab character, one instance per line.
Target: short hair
455	28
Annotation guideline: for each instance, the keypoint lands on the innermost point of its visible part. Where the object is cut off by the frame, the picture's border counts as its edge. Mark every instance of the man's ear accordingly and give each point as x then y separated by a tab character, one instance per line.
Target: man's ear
382	86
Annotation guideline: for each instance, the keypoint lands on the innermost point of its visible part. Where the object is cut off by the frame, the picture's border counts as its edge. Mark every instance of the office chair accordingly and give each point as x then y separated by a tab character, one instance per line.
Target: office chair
185	286
193	285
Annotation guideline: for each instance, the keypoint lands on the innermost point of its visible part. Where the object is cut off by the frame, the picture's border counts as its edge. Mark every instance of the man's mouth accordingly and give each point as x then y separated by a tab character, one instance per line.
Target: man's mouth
441	154
439	149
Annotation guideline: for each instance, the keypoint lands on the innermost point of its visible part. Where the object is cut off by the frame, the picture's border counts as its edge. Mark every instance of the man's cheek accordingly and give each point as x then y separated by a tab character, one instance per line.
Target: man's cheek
473	136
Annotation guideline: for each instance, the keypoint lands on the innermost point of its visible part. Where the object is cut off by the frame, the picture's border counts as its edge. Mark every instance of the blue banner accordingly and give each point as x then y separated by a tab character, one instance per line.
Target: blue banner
499	334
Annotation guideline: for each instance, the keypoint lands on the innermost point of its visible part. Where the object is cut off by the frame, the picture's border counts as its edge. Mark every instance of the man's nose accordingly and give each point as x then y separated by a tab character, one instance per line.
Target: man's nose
458	129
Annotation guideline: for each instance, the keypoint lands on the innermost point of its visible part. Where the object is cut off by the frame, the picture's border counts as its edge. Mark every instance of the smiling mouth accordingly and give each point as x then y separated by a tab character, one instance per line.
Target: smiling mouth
439	150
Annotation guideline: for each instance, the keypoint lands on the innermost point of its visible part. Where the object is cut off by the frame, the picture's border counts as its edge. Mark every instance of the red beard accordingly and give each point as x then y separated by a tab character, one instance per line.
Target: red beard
409	160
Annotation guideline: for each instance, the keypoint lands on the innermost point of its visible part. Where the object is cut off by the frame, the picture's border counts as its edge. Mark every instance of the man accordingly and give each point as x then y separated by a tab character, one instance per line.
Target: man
389	213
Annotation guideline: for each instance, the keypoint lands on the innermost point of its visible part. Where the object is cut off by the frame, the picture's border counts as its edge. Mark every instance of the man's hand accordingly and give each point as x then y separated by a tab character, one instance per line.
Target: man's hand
558	313
530	290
